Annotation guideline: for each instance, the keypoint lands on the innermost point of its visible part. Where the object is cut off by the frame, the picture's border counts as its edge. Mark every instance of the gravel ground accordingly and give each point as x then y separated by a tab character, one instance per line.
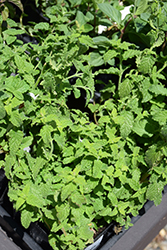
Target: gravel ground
159	242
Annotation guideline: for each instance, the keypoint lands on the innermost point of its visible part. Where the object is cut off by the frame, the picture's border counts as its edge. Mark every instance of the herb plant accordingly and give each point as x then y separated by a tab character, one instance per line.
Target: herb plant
76	170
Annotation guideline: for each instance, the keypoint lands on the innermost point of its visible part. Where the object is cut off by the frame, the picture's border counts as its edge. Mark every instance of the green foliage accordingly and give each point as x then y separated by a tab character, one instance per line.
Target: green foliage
76	170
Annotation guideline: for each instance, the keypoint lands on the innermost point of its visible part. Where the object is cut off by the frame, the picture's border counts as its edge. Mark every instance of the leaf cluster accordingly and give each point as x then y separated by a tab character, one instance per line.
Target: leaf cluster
79	168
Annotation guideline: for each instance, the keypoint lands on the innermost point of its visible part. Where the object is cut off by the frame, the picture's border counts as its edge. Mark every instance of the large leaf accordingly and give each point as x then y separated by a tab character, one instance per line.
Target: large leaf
158	89
152	156
141	6
126	123
125	88
154	193
102	41
26	218
17	3
145	63
67	190
22	64
37	166
111	12
16	138
16	119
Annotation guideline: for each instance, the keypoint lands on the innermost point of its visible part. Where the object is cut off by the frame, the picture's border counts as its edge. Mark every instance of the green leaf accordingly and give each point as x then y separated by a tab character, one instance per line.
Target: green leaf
154	193
85	232
160	40
126	125
17	3
164	132
41	26
67	190
81	19
13	32
145	64
34	200
77	198
2	110
16	86
45	133
133	184
95	59
158	89
20	201
141	6
97	166
125	88
26	218
122	206
130	53
77	93
109	55
160	116
105	212
26	142
113	198
22	64
16	119
10	39
152	156
63	211
15	141
111	12
39	163
101	41
139	128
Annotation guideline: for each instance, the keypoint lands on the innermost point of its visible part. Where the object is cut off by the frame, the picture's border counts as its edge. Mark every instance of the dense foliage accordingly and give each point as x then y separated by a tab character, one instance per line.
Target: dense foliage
77	169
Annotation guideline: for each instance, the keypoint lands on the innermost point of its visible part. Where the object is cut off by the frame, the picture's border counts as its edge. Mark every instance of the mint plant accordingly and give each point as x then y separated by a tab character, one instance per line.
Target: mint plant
77	171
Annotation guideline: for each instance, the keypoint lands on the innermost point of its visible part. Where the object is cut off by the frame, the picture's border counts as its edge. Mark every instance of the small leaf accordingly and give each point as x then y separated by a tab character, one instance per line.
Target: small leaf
22	64
105	212
97	169
13	32
113	198
2	110
15	140
39	163
26	218
95	59
45	133
42	26
110	54
145	64
126	123
77	93
101	41
152	156
20	201
139	128
133	184
34	200
63	211
67	190
111	12
125	88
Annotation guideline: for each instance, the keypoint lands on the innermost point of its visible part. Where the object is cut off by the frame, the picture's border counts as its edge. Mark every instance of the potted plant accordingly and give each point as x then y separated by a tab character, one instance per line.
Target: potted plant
83	115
